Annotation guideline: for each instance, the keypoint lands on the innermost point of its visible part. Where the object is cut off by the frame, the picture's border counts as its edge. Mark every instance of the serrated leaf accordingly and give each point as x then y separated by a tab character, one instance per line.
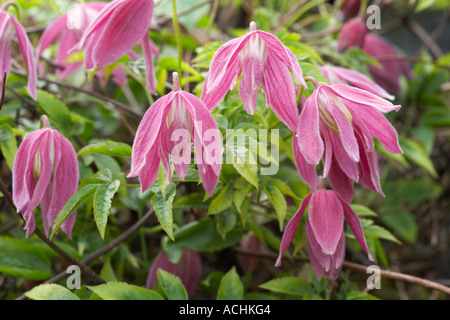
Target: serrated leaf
162	204
244	162
223	201
102	204
124	291
110	148
72	204
51	291
292	286
278	201
231	287
172	286
417	154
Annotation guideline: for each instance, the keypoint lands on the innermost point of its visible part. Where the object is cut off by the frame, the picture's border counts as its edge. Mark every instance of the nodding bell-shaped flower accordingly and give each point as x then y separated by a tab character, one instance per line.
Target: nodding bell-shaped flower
168	127
8	24
338	123
388	74
353	34
69	29
188	269
121	25
263	61
325	231
45	172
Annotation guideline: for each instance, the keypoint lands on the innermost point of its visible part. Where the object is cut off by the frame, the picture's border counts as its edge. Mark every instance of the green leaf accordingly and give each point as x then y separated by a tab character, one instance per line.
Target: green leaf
55	109
417	154
162	204
172	286
244	162
202	236
278	201
110	148
292	286
403	223
363	211
226	221
72	204
231	287
223	201
21	259
102	204
124	291
50	292
380	232
8	144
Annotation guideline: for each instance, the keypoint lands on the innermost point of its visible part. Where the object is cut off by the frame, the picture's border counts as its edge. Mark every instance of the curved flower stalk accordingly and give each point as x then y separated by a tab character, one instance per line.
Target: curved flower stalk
263	61
69	29
188	269
325	231
45	172
337	125
168	127
121	25
340	75
7	24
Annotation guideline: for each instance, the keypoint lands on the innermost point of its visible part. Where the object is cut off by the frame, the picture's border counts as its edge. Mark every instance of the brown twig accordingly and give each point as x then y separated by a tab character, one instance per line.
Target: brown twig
3	91
425	37
359	268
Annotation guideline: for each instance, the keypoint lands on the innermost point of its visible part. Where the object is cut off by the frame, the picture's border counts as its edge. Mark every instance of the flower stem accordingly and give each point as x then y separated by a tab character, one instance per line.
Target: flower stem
178	35
6	6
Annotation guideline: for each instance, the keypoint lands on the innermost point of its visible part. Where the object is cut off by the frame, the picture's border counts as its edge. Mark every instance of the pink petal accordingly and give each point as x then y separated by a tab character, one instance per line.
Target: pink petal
344	125
148	132
307	171
208	154
340	182
150	72
320	261
308	131
291	227
326	217
355	226
28	54
149	172
250	83
126	26
362	97
280	91
222	71
51	33
369	173
284	55
347	164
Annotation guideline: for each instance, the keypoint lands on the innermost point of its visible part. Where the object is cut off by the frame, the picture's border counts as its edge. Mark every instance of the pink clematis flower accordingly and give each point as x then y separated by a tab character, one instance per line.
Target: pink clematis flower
121	25
188	269
388	75
174	117
325	231
349	8
353	34
338	123
262	60
340	75
69	29
7	24
45	171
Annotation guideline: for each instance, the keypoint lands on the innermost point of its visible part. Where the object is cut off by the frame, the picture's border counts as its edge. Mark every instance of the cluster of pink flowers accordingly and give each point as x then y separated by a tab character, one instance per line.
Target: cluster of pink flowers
335	125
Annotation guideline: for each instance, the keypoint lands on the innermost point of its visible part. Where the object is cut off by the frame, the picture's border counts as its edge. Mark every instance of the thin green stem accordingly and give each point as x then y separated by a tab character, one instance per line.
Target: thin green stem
178	35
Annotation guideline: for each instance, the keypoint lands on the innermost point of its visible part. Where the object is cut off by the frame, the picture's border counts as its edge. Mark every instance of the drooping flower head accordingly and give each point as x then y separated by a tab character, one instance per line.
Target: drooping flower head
263	61
45	172
8	24
120	25
388	74
168	127
69	29
338	123
349	8
325	231
188	269
353	34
